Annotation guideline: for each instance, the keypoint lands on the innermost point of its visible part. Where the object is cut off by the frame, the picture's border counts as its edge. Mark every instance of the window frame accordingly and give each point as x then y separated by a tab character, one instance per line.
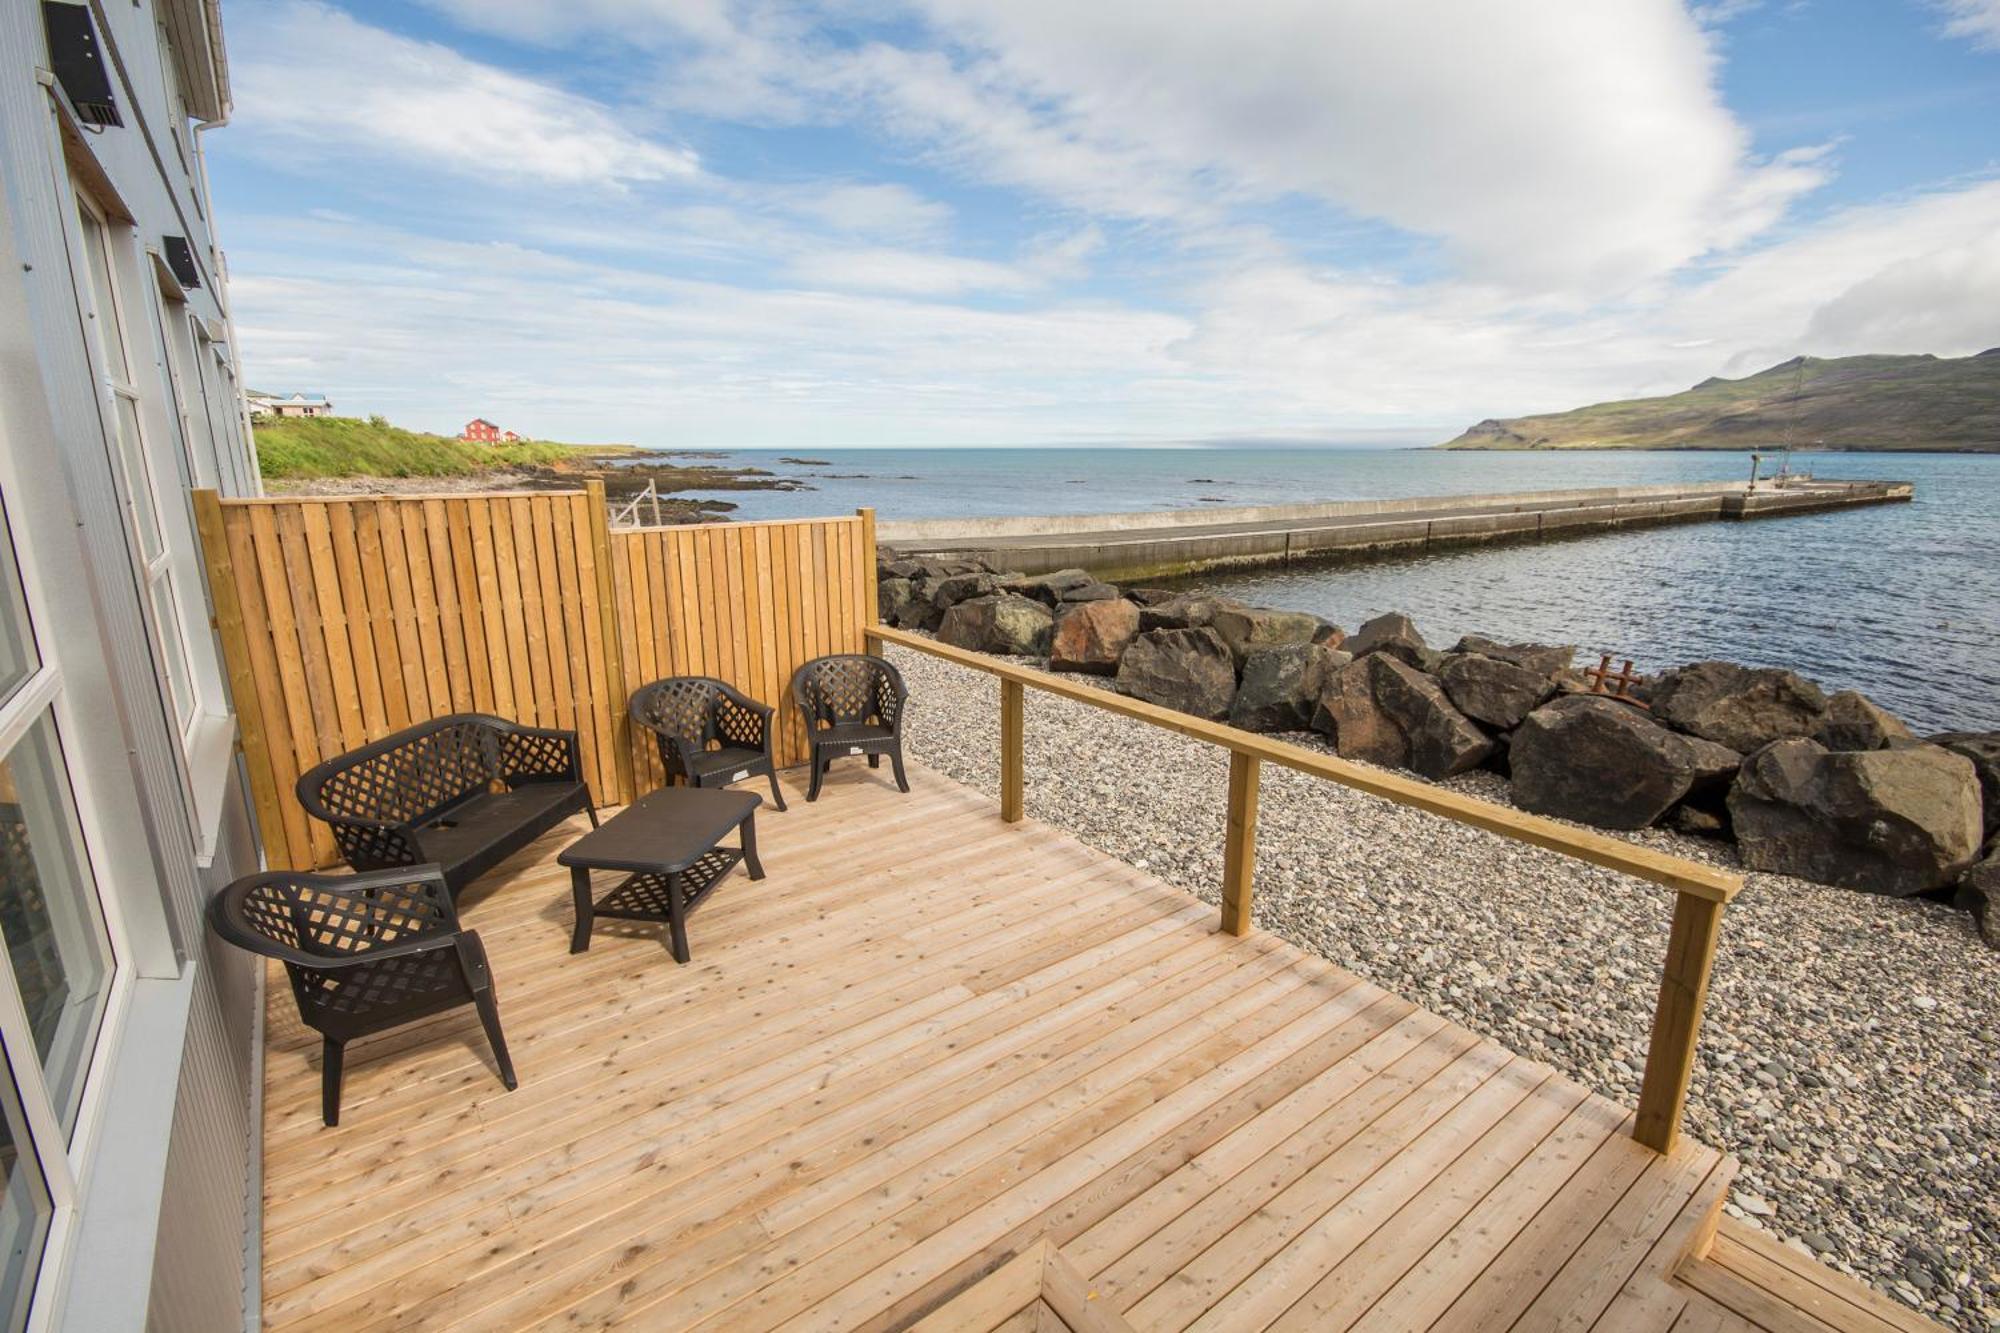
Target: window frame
187	662
65	1155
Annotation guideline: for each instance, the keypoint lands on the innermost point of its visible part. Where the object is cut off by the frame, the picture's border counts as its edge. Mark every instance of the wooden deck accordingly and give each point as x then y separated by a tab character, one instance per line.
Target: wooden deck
926	1042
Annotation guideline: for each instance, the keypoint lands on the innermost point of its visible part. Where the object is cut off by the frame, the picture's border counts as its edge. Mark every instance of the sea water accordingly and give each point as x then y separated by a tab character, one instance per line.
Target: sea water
1899	601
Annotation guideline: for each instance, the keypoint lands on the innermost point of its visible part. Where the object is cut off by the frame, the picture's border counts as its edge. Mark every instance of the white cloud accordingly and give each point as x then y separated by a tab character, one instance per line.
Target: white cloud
1573	146
1976	20
875	210
916	274
310	76
429	331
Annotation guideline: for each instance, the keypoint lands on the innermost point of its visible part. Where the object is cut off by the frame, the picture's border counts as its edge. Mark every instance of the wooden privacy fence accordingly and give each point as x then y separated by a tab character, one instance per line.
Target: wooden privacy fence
1701	892
344	619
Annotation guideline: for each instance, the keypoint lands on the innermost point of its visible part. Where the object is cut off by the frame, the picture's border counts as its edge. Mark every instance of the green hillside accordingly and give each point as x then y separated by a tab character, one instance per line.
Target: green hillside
314	447
1849	402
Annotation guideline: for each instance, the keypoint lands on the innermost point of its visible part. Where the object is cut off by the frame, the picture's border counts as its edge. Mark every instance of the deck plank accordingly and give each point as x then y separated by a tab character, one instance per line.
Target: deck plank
926	1043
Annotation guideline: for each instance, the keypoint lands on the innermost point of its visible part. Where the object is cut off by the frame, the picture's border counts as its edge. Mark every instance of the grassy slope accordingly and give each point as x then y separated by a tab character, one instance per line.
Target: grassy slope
352	447
1853	402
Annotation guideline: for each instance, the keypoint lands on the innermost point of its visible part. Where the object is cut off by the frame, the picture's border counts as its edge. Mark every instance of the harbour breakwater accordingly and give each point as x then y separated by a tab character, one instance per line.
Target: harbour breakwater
1828	788
1169	543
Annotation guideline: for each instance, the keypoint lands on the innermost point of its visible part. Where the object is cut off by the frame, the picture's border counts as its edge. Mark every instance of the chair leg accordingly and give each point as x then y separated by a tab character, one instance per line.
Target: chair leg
896	762
777	792
874	761
331	1059
489	1018
818	771
591	810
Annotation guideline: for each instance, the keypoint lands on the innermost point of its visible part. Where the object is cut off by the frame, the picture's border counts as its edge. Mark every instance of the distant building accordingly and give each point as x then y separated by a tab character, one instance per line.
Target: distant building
509	437
481	431
297	405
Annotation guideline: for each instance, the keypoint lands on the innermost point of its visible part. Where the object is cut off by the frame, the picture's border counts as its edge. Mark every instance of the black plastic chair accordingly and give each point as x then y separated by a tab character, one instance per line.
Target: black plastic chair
687	714
365	953
852	705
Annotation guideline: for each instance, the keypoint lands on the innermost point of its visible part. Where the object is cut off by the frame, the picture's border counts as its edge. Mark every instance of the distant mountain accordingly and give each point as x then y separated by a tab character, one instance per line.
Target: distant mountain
1847	402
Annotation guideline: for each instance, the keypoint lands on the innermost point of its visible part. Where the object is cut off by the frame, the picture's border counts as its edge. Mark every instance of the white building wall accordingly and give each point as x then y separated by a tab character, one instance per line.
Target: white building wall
152	1233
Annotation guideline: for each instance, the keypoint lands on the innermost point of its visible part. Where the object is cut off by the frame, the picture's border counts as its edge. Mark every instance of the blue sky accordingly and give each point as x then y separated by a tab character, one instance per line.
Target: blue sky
715	223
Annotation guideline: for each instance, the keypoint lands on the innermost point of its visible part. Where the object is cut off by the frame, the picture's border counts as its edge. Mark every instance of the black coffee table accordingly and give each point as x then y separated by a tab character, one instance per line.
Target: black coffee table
666	843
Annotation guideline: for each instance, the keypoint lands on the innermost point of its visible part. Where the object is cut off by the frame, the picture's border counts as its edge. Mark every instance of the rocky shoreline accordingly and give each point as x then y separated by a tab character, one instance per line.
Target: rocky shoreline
1831	789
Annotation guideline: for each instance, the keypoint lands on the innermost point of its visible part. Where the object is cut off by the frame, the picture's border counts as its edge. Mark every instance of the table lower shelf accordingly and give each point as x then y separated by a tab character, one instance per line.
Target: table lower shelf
646	897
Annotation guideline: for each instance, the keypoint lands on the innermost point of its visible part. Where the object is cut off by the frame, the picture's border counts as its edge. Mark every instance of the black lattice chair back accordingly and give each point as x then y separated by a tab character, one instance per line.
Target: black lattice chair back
849	689
378	800
692	716
852	704
419	777
363	952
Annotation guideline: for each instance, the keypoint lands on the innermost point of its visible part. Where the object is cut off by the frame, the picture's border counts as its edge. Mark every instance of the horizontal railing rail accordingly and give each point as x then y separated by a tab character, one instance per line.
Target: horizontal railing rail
1701	891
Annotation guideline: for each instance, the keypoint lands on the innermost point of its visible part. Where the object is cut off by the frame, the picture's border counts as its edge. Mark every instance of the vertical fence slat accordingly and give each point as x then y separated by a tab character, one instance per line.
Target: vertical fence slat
381	614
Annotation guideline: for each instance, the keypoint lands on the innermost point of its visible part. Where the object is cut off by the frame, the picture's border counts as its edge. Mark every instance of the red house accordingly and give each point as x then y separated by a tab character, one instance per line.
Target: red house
480	431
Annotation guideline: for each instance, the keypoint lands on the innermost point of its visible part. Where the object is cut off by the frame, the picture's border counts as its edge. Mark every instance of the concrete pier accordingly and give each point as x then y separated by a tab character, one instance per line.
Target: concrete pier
1161	544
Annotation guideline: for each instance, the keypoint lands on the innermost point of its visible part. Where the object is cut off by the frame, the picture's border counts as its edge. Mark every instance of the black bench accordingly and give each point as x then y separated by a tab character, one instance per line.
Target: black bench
465	791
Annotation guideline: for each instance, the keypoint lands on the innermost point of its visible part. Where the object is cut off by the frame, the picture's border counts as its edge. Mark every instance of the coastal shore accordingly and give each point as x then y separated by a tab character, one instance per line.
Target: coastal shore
1847	1054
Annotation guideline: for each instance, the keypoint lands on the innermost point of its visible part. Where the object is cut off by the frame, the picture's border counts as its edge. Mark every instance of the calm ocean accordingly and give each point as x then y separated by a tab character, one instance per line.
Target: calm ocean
1899	601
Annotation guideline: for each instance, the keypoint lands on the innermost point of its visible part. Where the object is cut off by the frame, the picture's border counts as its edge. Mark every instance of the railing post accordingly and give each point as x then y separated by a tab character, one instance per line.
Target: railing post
1239	856
1012	707
1677	1021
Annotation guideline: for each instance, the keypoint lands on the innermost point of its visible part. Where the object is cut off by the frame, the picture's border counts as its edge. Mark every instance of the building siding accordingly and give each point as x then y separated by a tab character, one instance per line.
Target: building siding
199	1273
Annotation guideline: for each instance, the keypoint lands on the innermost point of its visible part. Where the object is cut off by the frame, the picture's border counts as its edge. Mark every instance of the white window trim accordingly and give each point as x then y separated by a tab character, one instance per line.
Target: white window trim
207	727
66	1158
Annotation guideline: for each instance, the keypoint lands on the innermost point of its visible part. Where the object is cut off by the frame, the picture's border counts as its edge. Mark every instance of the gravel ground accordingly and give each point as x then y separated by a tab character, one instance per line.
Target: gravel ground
1847	1057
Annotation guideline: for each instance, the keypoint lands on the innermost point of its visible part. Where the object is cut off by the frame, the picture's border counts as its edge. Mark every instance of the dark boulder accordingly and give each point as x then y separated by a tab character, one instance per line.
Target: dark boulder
1742	707
1092	636
891	596
1281	686
900	569
1714	765
1189	610
1599	761
1896	821
998	623
952	589
919	612
1185	669
1247	628
1979	894
1048	589
1983	749
1153	596
1543	658
1489	690
1093	591
1854	722
1394	634
1379	709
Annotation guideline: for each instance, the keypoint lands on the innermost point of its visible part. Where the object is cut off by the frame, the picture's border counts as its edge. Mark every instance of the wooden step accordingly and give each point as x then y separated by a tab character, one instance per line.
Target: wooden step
1747	1279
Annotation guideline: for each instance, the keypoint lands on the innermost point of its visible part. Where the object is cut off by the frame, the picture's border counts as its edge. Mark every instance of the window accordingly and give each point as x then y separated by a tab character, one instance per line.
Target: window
57	964
25	1206
143	490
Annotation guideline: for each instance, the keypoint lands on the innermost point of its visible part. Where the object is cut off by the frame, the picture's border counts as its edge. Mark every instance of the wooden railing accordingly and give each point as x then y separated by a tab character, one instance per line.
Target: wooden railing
1701	891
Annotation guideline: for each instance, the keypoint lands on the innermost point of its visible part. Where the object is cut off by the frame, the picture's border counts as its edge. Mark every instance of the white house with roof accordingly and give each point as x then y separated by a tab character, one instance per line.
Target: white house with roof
289	405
